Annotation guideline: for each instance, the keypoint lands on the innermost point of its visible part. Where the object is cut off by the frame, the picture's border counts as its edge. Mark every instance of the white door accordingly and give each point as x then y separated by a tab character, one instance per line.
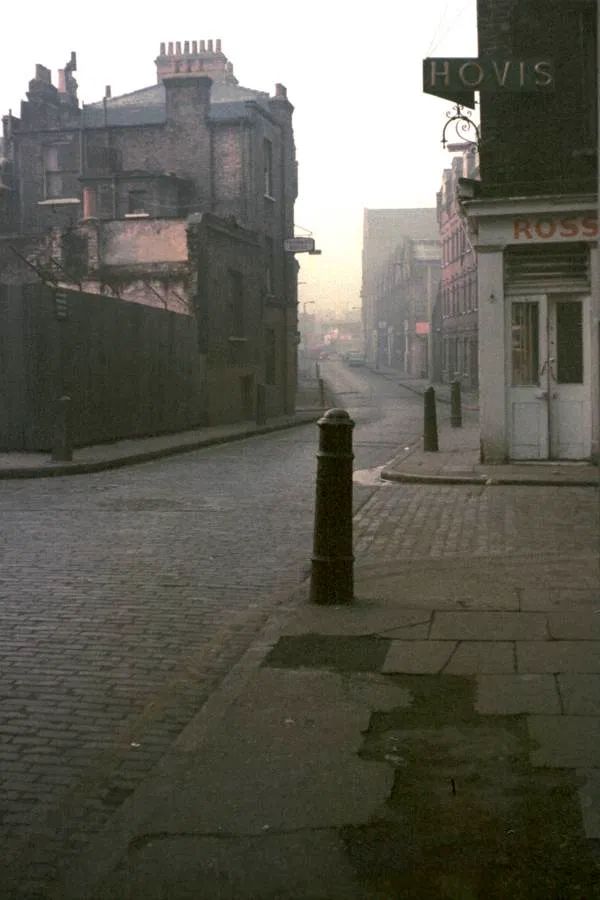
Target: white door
549	392
528	400
568	384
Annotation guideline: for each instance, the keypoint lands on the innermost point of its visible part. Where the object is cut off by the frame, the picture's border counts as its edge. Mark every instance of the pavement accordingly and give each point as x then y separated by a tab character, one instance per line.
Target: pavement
99	457
437	738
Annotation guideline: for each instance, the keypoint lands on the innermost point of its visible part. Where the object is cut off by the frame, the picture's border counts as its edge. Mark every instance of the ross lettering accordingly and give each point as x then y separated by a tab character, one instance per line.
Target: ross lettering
522	227
544	73
589	227
444	73
568	228
545	228
501	77
522	74
478	77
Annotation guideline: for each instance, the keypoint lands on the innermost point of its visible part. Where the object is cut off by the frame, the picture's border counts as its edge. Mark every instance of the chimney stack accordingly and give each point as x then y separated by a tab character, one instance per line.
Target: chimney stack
196	57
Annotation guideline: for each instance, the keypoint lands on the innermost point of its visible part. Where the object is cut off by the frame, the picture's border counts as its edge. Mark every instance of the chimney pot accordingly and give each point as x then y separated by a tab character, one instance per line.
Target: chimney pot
162	48
195	48
210	46
62	82
107	92
281	91
202	46
178	48
186	48
170	48
218	45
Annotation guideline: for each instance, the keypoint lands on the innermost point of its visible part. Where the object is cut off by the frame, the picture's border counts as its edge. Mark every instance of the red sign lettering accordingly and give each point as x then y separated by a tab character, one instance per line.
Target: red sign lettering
548	228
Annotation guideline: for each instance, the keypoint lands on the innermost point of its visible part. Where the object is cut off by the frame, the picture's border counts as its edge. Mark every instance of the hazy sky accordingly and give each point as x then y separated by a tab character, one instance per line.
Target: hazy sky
366	136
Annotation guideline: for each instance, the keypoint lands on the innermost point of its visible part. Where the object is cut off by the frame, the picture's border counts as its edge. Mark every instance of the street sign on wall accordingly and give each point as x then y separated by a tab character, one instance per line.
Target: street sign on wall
458	78
299	245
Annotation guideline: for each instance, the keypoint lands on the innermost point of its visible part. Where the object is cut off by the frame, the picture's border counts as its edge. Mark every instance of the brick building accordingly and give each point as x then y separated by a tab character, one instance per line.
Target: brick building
179	195
400	277
533	219
454	322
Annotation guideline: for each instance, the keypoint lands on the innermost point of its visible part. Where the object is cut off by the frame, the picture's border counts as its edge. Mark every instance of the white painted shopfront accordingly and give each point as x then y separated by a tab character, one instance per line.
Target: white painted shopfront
538	327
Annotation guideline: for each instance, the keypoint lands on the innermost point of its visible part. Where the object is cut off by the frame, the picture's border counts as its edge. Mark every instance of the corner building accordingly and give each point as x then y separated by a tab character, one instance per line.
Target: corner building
180	196
533	222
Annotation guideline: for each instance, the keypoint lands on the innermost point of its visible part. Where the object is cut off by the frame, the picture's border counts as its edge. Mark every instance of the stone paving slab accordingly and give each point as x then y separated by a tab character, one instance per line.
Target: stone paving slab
417	657
307	864
509	695
580	694
472	657
589	798
362	617
489	626
576	625
560	599
558	656
565	741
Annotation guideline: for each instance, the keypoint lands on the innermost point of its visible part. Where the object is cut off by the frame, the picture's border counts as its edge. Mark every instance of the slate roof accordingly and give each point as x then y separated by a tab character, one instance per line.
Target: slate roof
147	106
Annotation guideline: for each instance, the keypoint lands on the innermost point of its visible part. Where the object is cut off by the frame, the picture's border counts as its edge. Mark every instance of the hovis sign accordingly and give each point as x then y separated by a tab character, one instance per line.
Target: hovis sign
455	78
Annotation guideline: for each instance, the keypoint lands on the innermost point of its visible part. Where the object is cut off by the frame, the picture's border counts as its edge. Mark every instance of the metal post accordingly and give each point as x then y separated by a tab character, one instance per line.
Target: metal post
321	393
261	404
62	449
455	405
332	573
430	434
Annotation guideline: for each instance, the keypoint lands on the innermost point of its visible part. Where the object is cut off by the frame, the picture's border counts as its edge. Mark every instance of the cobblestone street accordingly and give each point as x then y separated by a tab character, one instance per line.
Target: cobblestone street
126	597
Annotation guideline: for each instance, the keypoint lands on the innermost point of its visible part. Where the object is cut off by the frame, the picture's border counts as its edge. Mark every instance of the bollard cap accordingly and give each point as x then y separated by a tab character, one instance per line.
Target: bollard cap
336	416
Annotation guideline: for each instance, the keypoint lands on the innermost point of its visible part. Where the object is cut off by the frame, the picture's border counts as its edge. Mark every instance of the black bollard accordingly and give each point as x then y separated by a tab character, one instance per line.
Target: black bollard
332	572
430	434
62	448
261	405
455	405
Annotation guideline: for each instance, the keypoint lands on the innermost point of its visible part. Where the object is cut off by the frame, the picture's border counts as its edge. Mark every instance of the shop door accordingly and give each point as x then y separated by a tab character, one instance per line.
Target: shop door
567	384
549	392
528	403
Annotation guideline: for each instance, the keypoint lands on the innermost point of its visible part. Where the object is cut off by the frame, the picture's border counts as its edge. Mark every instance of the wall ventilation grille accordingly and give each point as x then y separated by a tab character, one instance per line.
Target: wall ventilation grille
556	267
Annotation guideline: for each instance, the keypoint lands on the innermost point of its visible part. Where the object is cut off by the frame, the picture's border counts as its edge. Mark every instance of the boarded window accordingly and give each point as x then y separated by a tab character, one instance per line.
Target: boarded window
569	343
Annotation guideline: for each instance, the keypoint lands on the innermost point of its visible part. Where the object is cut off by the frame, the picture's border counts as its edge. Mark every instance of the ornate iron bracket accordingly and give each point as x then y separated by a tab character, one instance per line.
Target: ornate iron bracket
464	126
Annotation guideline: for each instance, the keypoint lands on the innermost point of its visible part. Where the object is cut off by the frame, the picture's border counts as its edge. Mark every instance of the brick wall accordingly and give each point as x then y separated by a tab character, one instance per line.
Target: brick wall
536	143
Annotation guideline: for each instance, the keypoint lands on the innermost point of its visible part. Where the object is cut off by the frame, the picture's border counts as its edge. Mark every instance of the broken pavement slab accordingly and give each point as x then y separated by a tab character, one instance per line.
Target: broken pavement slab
281	761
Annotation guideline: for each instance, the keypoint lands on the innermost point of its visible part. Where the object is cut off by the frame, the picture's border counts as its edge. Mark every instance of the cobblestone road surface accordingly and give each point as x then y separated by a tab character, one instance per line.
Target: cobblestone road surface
126	596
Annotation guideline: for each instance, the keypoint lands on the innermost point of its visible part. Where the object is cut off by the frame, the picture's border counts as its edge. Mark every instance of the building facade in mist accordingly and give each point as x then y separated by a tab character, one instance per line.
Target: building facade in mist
454	321
533	221
400	281
179	195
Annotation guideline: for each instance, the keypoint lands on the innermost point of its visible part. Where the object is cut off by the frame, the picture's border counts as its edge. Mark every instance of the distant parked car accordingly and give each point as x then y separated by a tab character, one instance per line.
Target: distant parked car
355	358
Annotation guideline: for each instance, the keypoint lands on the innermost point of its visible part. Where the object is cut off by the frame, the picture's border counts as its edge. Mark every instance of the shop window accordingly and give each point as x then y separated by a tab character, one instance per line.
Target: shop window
525	343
